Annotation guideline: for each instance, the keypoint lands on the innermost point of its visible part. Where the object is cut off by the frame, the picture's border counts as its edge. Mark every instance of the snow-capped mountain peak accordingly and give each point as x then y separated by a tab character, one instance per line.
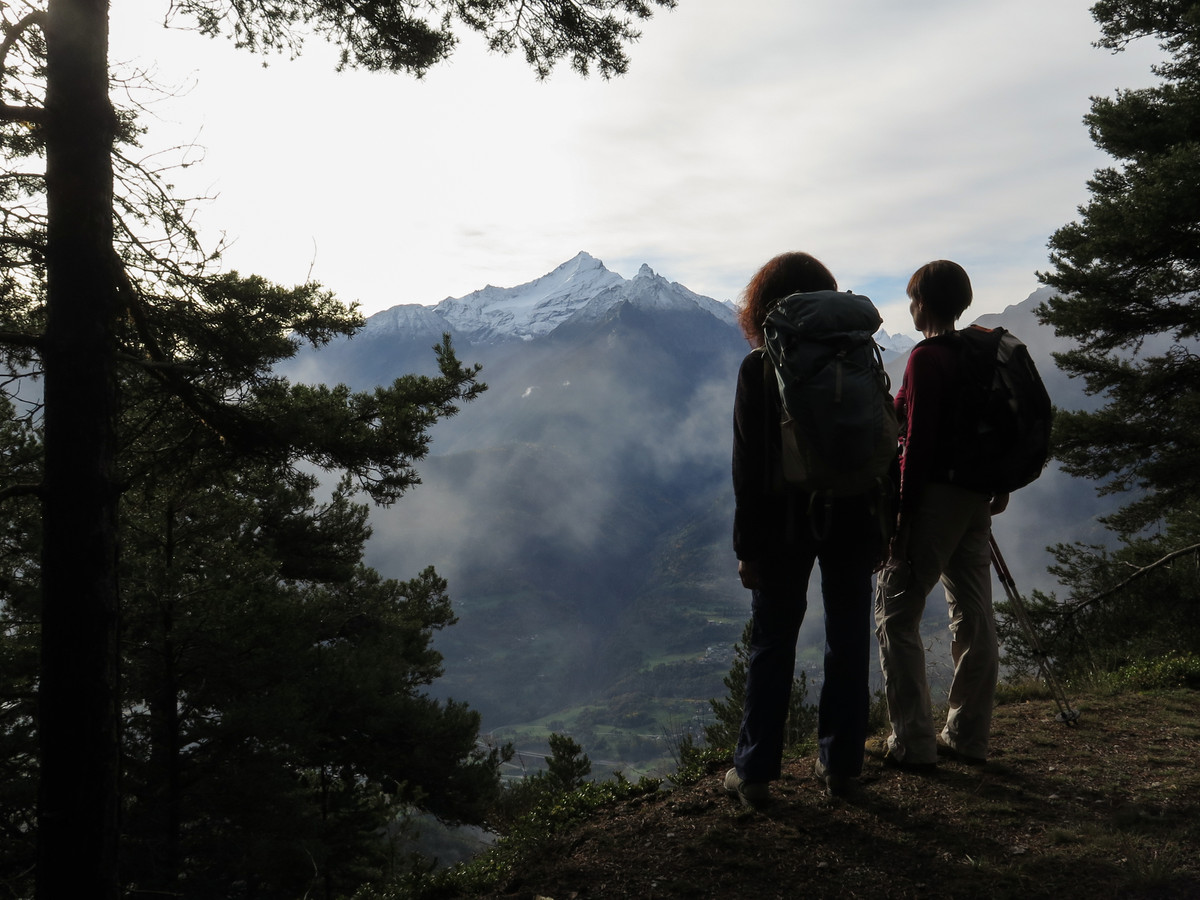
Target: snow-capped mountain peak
528	310
581	289
899	343
654	291
408	320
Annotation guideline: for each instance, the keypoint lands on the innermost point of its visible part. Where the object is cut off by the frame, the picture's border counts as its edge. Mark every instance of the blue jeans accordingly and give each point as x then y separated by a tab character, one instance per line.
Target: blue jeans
847	557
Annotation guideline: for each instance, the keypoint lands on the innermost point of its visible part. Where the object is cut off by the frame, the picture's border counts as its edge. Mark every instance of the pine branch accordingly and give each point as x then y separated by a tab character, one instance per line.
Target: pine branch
14	32
21	339
1083	604
20	490
33	115
206	408
25	243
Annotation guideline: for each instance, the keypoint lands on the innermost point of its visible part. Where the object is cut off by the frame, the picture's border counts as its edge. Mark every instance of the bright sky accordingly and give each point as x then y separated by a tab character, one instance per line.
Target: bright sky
877	135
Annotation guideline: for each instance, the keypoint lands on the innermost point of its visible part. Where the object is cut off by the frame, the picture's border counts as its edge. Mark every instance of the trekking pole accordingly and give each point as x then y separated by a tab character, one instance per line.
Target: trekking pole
1065	713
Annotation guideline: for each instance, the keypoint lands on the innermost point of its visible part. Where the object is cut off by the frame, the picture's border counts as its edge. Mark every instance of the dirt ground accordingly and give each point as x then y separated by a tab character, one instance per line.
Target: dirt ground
1108	807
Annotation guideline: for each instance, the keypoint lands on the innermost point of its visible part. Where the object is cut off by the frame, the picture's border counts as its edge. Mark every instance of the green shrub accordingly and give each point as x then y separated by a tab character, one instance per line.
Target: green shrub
1170	671
698	761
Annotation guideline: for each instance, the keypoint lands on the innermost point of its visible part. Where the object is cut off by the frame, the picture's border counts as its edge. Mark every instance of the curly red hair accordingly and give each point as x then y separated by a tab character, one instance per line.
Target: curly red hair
786	274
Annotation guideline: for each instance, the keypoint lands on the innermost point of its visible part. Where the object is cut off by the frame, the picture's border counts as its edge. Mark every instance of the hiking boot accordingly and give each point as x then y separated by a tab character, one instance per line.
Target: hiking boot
891	758
945	749
835	785
753	794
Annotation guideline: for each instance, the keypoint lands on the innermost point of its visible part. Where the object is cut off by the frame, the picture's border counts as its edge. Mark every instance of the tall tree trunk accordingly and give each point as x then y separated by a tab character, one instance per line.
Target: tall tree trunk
77	706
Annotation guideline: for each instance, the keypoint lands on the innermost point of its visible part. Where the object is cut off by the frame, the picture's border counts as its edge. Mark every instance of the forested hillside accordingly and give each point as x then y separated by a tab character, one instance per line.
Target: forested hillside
203	689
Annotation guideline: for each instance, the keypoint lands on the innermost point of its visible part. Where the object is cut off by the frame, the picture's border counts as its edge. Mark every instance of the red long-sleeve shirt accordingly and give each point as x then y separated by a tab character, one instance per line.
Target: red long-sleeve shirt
925	407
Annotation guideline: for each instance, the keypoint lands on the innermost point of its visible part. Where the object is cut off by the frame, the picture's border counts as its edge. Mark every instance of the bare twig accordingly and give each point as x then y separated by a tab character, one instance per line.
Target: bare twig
1082	604
14	32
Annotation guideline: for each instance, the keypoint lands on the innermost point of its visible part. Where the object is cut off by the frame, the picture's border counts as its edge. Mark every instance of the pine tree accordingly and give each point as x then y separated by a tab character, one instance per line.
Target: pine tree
801	723
54	66
567	765
1128	275
727	711
274	718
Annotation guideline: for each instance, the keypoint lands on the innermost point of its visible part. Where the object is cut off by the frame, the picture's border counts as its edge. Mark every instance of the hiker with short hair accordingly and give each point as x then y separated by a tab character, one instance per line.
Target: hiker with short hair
779	533
942	534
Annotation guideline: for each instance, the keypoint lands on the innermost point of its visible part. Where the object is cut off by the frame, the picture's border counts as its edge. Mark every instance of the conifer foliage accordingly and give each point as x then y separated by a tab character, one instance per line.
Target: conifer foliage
1128	277
800	727
153	367
1128	273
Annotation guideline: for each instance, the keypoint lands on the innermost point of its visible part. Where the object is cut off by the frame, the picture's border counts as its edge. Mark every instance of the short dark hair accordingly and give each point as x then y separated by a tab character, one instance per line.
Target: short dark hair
942	287
786	274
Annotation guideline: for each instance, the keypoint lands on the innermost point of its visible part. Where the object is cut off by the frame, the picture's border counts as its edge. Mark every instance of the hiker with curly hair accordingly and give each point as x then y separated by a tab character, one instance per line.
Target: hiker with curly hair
777	543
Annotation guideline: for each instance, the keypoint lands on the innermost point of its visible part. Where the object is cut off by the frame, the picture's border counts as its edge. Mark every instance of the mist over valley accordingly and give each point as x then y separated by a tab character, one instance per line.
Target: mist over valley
581	508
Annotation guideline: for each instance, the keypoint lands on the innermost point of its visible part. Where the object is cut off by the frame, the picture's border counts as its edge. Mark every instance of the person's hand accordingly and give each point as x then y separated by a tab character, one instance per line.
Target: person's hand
899	547
999	504
750	571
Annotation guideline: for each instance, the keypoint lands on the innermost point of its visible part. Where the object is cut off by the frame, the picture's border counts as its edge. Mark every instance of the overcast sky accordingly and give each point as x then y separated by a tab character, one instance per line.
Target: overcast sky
875	134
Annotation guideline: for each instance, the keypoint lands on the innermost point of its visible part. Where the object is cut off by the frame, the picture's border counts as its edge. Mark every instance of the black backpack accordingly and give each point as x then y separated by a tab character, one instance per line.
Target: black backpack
1002	413
838	421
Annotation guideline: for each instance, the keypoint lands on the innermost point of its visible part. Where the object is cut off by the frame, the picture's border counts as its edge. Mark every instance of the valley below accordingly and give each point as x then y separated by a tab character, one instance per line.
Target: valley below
581	508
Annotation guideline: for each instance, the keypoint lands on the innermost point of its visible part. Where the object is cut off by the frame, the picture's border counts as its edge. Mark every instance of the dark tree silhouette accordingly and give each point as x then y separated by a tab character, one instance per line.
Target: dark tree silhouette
63	50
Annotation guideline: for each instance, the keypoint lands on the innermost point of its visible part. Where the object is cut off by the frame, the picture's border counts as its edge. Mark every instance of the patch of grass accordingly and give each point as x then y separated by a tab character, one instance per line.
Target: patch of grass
1058	837
1152	867
696	762
1173	670
1023	689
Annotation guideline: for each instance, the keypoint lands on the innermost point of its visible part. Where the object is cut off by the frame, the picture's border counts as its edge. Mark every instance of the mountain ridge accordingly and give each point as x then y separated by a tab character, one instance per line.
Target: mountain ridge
581	507
579	290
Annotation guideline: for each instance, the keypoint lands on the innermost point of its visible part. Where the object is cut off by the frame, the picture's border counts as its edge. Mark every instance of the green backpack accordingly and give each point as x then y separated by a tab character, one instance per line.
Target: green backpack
838	421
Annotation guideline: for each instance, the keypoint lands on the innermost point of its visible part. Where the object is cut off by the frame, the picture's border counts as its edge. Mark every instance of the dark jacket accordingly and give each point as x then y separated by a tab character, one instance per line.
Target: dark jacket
767	519
761	514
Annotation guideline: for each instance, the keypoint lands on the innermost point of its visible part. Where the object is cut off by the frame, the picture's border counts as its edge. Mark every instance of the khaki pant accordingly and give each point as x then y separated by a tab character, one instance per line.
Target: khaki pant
948	541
